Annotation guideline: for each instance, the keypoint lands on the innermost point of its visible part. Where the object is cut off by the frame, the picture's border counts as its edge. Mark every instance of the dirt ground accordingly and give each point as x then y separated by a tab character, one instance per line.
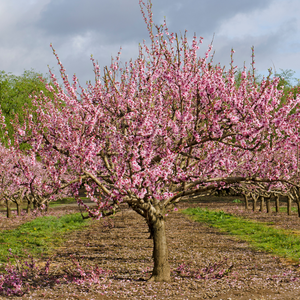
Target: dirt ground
122	245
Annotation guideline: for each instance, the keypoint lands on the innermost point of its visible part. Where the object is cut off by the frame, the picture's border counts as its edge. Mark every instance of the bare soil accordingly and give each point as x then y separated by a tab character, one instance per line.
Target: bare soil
121	244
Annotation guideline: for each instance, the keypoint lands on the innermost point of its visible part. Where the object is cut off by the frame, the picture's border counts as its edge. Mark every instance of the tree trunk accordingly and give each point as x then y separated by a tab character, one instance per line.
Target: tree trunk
28	209
289	206
8	209
277	203
18	208
298	207
161	269
254	203
298	200
47	207
262	202
150	230
35	204
268	200
246	201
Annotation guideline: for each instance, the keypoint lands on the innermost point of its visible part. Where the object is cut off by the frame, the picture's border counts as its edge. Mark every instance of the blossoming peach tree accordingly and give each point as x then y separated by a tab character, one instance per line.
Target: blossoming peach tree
163	126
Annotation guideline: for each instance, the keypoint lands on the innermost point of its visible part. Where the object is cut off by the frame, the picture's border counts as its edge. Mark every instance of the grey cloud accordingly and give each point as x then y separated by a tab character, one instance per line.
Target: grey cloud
267	47
113	20
107	25
79	28
205	16
121	20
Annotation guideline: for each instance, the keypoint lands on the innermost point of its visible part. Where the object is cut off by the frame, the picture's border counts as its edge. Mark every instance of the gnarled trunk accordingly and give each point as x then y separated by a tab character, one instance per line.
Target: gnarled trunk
161	269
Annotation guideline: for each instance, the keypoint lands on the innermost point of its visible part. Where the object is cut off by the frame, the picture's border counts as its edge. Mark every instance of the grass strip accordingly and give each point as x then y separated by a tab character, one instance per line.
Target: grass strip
284	209
276	241
62	201
67	200
39	236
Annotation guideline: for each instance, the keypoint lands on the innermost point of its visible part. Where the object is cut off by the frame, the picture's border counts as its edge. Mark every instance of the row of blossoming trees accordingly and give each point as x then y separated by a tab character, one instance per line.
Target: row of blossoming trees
166	125
23	179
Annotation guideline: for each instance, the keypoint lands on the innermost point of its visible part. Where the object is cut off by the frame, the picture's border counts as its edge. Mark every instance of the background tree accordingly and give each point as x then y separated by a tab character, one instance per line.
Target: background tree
290	84
15	92
287	82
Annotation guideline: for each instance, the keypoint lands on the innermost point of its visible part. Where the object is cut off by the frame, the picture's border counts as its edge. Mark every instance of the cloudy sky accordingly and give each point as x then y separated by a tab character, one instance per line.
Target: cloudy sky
79	28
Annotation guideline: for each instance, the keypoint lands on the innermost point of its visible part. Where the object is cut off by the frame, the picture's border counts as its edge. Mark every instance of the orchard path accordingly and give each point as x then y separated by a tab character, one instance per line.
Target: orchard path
122	245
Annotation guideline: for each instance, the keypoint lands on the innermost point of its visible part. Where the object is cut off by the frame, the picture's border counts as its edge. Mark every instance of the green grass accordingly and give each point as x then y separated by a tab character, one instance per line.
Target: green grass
39	236
56	203
276	241
62	201
236	201
284	209
66	201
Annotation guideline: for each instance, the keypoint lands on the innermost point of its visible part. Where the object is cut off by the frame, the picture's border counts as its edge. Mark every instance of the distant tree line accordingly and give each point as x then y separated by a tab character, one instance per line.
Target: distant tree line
15	92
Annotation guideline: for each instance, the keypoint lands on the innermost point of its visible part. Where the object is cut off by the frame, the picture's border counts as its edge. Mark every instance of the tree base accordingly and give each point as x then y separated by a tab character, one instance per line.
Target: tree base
159	279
